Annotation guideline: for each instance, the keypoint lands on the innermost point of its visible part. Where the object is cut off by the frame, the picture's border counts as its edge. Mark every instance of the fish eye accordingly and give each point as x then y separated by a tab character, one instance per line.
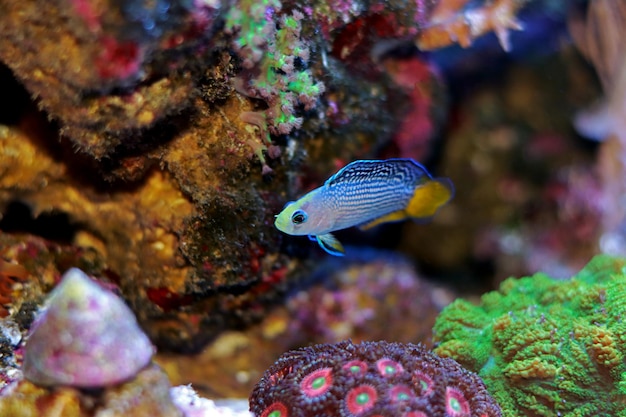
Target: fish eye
298	217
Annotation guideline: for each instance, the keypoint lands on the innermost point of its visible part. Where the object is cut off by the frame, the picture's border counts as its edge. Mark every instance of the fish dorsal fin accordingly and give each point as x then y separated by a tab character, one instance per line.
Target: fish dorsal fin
347	173
405	169
330	244
363	168
429	197
391	217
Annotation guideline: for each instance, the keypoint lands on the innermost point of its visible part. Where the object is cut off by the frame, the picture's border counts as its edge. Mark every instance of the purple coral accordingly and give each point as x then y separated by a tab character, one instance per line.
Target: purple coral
86	337
368	379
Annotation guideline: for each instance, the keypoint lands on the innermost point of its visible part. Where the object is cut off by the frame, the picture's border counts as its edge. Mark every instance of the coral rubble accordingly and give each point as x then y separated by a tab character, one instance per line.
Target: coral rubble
192	405
370	378
546	347
147	395
10	362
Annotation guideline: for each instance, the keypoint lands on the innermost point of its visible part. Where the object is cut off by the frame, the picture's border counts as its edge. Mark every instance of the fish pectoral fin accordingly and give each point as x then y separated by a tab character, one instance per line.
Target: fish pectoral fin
312	238
391	217
429	197
330	244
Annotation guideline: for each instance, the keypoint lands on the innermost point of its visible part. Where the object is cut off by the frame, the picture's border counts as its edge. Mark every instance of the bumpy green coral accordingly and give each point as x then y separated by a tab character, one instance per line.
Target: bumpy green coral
546	347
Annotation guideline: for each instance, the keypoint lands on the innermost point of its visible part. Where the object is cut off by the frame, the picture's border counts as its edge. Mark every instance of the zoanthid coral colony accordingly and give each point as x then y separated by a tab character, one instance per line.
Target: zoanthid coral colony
368	379
546	347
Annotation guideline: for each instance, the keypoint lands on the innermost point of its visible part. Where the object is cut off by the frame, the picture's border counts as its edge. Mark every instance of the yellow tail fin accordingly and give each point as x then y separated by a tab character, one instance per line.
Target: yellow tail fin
428	197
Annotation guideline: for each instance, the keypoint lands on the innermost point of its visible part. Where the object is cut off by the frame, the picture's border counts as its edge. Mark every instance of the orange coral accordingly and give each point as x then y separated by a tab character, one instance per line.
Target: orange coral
448	25
604	349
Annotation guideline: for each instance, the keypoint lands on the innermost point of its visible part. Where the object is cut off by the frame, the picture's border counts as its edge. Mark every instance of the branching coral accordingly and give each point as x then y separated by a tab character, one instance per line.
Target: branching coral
368	379
546	347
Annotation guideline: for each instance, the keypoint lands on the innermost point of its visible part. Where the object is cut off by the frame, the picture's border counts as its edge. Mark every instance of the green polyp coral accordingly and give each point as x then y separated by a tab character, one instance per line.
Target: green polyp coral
546	347
275	56
252	23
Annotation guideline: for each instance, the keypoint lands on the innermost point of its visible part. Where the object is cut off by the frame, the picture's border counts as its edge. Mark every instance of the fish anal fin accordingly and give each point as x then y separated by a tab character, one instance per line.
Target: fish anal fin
391	217
330	244
429	197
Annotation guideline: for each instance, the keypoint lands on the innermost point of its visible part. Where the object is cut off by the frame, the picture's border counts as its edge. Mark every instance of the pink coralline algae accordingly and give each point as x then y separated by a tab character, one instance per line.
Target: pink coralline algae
85	337
369	379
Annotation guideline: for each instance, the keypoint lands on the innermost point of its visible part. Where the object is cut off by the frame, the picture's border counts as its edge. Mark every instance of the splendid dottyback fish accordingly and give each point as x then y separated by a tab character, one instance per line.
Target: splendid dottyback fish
365	193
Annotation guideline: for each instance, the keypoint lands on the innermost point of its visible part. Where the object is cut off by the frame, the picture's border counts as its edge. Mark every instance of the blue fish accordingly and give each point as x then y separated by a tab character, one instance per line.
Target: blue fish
365	193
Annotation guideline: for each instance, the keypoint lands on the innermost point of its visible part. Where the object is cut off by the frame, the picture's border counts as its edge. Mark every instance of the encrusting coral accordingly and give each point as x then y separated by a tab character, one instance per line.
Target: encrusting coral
369	379
546	347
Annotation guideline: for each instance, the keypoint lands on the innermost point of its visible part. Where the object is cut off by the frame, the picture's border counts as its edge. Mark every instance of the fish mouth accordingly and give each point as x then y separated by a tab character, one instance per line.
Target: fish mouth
279	223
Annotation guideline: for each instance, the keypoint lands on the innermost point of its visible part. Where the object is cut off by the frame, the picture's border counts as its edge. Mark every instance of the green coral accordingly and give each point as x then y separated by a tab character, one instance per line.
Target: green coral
546	347
272	47
252	22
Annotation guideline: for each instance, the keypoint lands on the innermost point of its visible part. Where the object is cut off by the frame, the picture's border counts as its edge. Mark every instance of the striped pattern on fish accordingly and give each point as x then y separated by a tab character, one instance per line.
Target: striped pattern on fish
365	193
366	190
